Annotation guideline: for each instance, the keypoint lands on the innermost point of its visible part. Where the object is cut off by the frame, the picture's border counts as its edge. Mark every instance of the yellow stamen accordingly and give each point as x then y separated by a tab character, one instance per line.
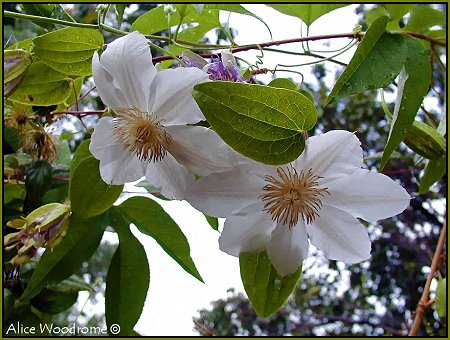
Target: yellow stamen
141	133
292	195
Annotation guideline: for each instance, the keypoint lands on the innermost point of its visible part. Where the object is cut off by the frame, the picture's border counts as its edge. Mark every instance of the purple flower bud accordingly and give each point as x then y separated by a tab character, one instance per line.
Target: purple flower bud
218	71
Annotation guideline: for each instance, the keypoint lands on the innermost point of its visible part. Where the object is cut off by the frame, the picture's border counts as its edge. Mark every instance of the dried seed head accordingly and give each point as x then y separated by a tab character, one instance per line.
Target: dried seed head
39	141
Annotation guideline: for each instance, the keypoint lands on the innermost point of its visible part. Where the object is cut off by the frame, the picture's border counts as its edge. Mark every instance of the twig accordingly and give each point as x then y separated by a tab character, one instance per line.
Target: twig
400	171
64	179
424	300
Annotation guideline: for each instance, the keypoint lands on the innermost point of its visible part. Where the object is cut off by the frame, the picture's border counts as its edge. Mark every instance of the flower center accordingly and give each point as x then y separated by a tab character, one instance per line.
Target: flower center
291	195
141	133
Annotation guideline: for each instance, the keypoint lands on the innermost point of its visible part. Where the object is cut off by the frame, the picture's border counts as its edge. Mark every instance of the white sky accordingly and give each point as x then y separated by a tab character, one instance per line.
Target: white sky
175	296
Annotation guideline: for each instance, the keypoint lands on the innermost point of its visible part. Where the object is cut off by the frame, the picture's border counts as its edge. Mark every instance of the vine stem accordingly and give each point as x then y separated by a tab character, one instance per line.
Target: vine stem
424	300
270	43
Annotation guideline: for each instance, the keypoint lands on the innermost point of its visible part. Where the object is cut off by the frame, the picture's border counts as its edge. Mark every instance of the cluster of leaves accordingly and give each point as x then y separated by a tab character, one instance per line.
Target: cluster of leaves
265	123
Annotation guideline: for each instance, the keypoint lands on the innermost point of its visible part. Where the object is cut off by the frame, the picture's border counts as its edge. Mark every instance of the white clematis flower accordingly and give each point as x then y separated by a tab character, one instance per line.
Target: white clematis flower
320	195
150	136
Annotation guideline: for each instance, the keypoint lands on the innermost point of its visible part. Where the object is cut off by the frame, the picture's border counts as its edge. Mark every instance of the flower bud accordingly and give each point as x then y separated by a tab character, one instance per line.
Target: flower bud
15	64
425	140
169	9
48	223
43	227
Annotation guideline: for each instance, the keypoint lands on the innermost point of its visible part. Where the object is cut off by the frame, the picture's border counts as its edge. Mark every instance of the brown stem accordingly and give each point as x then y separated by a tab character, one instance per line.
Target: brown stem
399	171
76	95
64	179
268	44
424	37
424	300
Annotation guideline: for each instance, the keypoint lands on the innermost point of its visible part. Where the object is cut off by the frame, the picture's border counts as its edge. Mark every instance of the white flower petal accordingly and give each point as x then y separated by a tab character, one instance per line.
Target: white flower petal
117	166
247	230
169	176
331	155
200	149
103	137
124	72
219	194
367	194
288	247
171	95
339	235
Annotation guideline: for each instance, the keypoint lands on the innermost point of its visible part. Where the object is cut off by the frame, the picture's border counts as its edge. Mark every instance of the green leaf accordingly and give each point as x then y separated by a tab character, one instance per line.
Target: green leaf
192	34
283	83
128	279
63	152
398	11
89	195
413	85
69	50
151	219
441	299
151	189
155	20
38	180
25	318
378	59
42	10
57	264
57	298
58	194
73	283
120	8
236	8
434	171
212	221
12	191
11	138
261	122
308	13
265	288
8	303
423	17
59	13
53	302
79	155
42	86
374	14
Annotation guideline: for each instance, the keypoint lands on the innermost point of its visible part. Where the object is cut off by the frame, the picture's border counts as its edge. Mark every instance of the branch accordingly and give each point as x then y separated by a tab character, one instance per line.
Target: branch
424	300
270	43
